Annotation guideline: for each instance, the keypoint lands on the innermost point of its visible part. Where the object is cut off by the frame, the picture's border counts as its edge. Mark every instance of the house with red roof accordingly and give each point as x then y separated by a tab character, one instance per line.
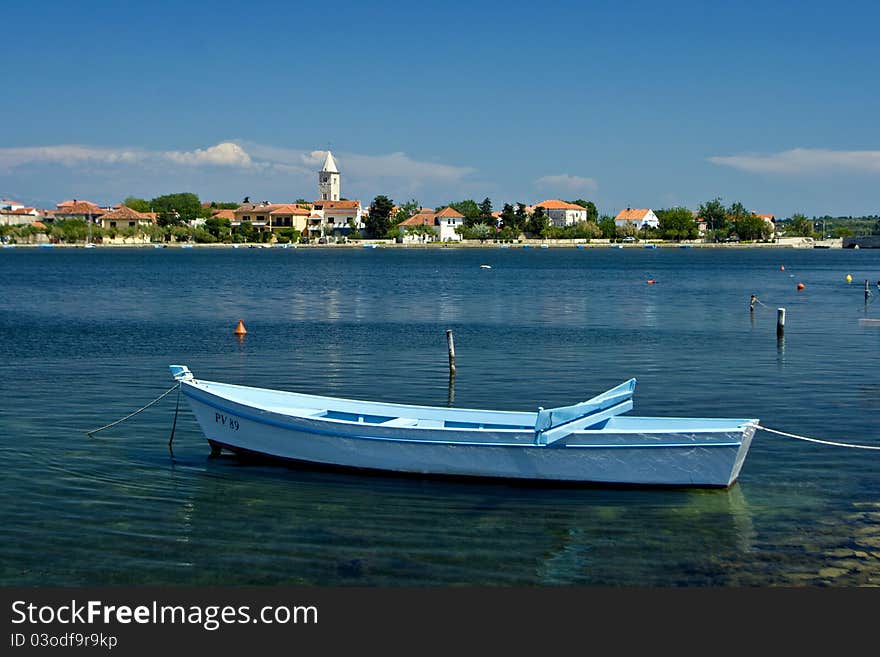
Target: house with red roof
335	217
265	216
638	217
562	213
125	217
444	224
18	216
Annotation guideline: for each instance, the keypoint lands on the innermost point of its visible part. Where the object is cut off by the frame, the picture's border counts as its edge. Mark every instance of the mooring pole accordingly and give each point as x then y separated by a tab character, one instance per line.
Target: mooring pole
450	343
867	291
752	303
780	322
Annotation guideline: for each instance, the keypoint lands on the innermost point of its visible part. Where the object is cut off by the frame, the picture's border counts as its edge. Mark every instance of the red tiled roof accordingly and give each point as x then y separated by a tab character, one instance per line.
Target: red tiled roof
125	212
420	219
450	212
80	207
291	208
333	205
632	214
556	204
77	202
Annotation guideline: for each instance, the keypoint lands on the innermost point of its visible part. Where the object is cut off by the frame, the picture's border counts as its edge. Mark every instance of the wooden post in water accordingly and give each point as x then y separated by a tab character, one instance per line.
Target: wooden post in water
752	303
780	322
450	343
867	291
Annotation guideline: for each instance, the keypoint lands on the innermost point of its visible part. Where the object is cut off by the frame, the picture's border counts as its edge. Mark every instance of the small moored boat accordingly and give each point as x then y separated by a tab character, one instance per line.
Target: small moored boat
587	442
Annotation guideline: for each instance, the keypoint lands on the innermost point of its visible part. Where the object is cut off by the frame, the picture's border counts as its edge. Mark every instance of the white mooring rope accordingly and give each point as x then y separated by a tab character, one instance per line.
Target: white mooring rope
816	440
113	424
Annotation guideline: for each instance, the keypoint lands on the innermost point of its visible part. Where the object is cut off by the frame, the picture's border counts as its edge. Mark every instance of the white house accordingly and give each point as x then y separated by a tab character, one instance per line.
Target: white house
335	217
639	217
444	224
447	221
562	213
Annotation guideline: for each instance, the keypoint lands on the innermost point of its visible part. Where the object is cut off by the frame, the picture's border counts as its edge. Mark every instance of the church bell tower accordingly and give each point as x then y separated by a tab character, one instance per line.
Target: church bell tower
328	180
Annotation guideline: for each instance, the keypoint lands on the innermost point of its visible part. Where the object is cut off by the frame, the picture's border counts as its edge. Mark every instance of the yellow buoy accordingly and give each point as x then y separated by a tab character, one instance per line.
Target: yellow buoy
240	329
848	278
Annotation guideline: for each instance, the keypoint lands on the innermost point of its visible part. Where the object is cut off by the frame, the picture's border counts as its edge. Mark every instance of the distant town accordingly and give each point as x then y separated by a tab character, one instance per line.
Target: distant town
183	218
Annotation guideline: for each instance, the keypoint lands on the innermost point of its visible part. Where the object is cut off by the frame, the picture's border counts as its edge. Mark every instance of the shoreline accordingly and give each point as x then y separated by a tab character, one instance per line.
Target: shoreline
795	243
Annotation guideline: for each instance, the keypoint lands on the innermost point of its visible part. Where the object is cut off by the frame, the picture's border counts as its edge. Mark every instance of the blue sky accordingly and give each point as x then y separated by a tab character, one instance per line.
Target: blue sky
648	104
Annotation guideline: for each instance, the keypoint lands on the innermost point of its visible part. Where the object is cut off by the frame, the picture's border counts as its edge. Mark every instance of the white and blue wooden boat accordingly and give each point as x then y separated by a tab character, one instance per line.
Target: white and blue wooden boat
590	442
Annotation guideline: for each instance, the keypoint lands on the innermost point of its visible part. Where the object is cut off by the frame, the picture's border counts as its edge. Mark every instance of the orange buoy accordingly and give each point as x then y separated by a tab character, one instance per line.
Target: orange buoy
781	267
240	329
800	286
651	281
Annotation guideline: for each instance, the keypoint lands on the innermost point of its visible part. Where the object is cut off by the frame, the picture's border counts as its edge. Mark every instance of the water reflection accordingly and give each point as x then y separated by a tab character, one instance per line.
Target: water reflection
263	523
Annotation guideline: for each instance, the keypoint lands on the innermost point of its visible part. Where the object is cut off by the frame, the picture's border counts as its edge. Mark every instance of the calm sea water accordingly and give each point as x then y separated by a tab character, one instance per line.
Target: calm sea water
87	337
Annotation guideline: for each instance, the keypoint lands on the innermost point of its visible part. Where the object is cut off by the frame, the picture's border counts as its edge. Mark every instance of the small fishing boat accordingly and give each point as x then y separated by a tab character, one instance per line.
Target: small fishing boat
590	442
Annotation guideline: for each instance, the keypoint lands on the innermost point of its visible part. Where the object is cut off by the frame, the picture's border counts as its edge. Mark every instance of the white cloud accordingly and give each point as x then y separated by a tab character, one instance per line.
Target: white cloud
803	161
358	166
564	181
70	155
225	154
66	154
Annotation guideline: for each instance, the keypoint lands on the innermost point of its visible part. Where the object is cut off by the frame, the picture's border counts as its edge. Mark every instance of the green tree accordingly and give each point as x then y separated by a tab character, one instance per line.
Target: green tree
737	211
714	214
677	224
220	228
378	223
70	231
137	204
799	226
478	231
608	227
521	218
538	222
179	208
752	227
485	216
586	230
508	216
245	230
876	229
183	233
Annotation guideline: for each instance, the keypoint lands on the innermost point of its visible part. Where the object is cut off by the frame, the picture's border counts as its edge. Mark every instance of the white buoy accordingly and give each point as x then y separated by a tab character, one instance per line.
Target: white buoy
780	322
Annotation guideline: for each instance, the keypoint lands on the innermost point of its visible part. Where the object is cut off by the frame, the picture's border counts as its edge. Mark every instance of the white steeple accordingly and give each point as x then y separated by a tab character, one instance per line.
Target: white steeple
328	180
329	164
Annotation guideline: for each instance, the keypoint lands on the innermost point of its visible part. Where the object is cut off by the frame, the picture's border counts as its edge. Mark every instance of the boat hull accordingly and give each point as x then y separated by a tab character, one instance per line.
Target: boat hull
703	458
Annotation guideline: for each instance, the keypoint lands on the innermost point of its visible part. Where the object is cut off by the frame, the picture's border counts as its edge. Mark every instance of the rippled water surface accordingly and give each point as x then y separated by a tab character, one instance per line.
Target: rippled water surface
87	337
